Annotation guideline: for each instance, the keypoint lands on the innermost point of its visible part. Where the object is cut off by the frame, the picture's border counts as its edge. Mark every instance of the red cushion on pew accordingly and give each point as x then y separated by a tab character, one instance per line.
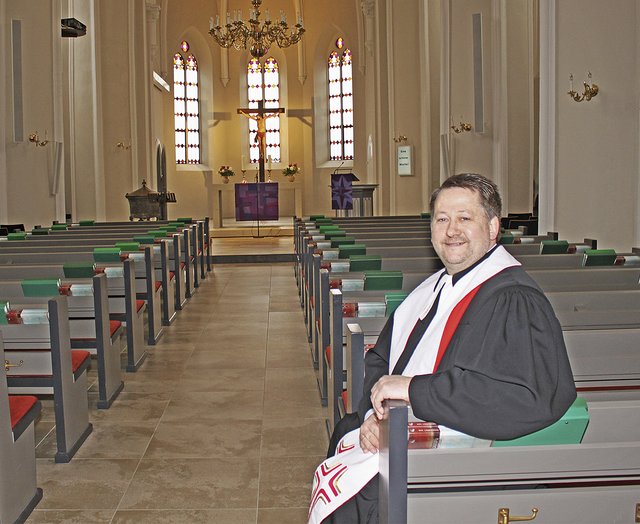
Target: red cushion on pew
327	352
139	304
114	325
78	356
19	406
171	275
344	399
158	285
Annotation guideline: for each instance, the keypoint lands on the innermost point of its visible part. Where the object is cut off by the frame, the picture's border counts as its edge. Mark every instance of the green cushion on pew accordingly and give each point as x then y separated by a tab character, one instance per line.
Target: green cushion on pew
106	254
553	247
40	231
315	217
40	287
335	234
342	241
425	215
352	249
58	227
365	262
393	300
3	309
506	238
87	222
176	224
599	257
79	269
156	233
185	220
17	236
381	280
329	227
128	246
144	239
169	229
568	430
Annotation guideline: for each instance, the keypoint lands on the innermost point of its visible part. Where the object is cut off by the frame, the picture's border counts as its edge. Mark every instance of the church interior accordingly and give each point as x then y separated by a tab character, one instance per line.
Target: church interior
221	420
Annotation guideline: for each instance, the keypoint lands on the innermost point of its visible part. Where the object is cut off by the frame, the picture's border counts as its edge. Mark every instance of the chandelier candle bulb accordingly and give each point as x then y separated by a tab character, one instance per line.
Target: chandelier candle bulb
217	20
210	23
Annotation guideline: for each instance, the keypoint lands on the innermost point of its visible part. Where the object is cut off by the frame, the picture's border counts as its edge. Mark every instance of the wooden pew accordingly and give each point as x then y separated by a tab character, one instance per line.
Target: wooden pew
154	267
89	325
19	493
40	361
146	286
121	290
592	482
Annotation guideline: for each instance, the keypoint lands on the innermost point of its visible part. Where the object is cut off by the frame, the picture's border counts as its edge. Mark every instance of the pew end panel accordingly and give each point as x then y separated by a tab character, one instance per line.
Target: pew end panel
19	493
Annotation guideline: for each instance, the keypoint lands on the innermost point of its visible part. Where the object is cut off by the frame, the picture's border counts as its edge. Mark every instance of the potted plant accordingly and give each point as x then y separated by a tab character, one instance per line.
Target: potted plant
290	171
225	172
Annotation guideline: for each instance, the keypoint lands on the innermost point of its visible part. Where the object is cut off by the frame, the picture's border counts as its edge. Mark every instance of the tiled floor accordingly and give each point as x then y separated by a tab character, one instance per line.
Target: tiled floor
222	423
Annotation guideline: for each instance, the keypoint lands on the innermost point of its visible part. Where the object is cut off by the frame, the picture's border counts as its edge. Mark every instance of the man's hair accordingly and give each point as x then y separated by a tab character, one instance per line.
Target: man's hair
488	191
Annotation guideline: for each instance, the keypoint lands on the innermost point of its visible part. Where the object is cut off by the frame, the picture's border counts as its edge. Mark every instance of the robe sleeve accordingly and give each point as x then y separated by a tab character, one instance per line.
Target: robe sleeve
376	365
506	372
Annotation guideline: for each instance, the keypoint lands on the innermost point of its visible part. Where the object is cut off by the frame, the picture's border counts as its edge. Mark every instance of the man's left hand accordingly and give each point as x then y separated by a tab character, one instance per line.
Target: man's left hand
389	386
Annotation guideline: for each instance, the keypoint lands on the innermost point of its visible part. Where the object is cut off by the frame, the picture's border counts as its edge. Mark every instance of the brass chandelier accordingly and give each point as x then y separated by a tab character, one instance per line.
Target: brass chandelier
255	35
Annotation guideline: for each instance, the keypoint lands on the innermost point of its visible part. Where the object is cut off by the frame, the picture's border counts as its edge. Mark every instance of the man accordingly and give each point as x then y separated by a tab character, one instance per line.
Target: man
476	348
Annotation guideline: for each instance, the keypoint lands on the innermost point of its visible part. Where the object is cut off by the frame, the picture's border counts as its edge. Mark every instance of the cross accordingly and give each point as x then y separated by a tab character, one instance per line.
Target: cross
260	115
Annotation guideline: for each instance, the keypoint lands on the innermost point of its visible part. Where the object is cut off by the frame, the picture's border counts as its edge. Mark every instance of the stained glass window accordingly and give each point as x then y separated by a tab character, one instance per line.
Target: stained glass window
263	83
186	107
340	85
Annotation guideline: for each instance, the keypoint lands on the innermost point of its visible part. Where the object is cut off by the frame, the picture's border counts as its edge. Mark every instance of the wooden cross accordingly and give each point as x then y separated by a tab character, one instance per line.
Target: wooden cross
260	115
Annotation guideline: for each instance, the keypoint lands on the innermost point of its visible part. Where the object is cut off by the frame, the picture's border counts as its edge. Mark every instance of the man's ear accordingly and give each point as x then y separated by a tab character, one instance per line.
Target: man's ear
494	228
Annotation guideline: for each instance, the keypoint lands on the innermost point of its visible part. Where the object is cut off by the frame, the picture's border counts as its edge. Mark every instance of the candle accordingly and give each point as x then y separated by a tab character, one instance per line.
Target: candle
267	15
269	162
243	160
228	18
571	82
217	20
210	23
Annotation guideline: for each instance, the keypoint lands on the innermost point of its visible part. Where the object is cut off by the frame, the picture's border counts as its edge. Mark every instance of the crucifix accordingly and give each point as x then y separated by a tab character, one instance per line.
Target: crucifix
260	115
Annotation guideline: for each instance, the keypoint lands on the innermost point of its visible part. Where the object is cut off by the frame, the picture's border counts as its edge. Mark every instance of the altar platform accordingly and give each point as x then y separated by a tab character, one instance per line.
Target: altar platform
245	242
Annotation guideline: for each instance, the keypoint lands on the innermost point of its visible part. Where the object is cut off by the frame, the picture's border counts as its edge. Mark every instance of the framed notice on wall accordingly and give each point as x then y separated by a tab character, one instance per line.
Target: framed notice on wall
404	160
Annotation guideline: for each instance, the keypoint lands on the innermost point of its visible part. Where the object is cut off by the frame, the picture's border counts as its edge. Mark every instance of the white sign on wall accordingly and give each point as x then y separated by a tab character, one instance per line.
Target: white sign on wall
404	160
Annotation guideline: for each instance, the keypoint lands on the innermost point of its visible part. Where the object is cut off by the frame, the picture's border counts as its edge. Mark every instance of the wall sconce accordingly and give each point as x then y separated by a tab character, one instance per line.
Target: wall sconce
34	139
590	89
122	145
401	138
462	127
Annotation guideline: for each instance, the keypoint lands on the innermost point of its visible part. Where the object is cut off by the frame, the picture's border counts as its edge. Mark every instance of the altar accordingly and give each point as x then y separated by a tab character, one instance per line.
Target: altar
222	192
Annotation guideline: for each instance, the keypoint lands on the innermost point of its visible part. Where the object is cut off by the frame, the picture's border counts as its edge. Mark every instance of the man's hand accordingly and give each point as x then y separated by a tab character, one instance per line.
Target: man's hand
389	386
369	432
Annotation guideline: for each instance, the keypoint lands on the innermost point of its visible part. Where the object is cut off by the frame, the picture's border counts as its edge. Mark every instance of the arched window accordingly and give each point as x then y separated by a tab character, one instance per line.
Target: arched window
340	85
263	83
186	106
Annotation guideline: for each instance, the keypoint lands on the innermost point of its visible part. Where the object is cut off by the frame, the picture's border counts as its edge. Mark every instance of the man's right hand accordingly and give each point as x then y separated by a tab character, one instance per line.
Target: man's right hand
369	434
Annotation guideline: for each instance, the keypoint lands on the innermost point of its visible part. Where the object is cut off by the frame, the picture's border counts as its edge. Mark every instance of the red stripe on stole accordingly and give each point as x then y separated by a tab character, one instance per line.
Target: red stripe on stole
452	324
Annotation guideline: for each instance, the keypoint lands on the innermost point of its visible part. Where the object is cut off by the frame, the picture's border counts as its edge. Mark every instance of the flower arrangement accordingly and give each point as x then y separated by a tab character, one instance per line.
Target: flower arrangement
290	170
225	171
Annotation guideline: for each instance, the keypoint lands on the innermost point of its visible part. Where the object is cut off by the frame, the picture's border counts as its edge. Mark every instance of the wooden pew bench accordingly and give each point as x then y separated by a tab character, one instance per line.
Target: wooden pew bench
19	493
40	361
152	267
121	292
89	326
147	288
595	481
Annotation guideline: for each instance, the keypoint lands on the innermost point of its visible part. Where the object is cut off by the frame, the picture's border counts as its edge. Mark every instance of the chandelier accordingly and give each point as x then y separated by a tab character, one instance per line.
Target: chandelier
255	35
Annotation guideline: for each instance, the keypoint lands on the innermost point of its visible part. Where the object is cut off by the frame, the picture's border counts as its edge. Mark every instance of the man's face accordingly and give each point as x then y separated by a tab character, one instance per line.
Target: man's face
461	233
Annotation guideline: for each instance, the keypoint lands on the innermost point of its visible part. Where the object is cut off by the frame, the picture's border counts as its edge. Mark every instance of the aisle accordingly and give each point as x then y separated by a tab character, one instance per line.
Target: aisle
222	424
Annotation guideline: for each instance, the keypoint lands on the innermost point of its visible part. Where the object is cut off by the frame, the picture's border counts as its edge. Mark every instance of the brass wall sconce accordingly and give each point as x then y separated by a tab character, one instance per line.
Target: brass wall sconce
462	127
34	139
590	89
401	138
123	146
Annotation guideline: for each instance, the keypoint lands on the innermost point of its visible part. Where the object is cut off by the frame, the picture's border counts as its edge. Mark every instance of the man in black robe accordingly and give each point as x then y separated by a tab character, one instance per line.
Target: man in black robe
505	371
